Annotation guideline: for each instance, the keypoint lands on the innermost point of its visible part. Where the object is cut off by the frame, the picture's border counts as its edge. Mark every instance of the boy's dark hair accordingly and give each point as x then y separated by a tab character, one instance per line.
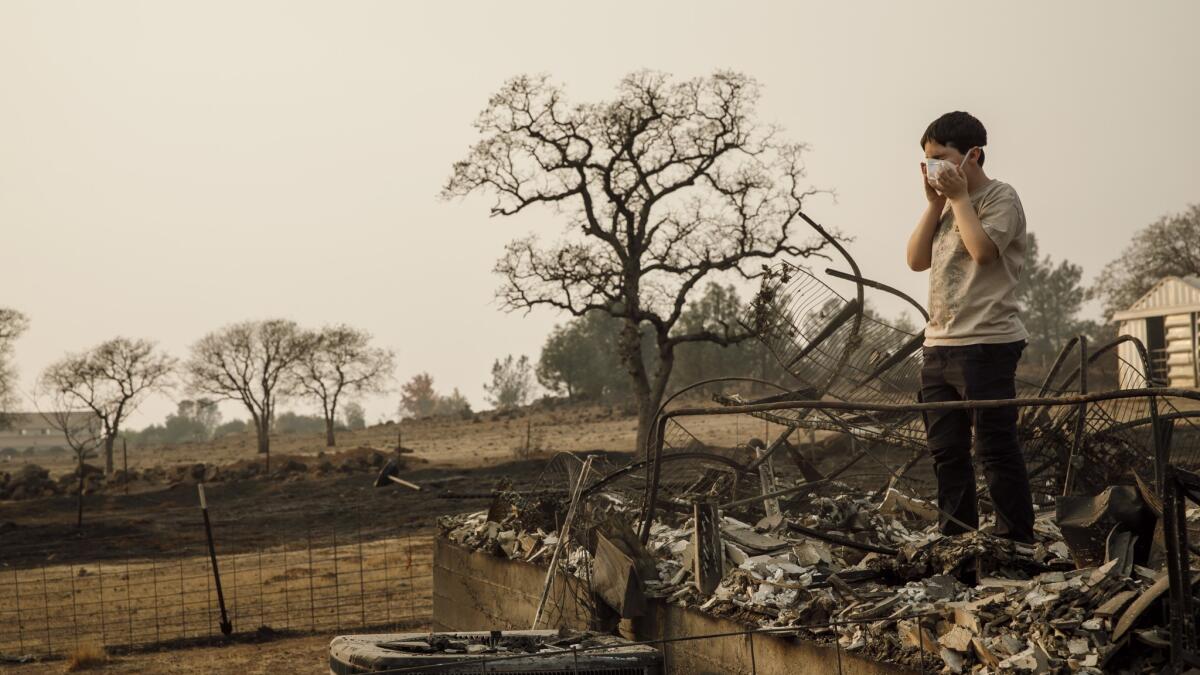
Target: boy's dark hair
958	130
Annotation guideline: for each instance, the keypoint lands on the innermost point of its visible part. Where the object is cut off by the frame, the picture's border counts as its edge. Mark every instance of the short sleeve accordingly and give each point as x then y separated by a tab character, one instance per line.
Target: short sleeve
1002	217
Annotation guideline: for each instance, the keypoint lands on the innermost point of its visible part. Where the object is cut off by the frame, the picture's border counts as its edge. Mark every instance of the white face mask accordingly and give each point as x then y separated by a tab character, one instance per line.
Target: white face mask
935	167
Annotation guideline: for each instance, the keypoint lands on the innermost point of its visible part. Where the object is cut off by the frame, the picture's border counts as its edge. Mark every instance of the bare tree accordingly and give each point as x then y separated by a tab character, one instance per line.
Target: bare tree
79	426
110	380
249	362
12	325
340	361
660	187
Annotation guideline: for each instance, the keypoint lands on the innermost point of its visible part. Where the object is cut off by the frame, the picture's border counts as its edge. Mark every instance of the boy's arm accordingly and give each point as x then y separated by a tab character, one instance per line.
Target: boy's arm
920	243
981	247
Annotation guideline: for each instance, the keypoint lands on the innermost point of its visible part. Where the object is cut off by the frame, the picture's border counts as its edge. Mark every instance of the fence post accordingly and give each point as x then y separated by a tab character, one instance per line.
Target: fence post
74	610
362	588
17	598
129	600
387	586
412	593
287	583
262	609
208	608
182	603
46	610
235	619
154	582
337	591
312	603
103	627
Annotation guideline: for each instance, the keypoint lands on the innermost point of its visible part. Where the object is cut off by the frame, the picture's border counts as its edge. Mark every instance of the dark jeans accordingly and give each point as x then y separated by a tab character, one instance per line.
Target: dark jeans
973	372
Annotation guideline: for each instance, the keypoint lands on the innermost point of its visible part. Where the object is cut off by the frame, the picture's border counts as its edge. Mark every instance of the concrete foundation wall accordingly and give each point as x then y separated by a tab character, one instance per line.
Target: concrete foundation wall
475	591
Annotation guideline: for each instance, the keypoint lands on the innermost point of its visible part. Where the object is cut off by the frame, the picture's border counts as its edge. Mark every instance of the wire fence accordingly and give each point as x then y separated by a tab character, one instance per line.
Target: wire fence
332	579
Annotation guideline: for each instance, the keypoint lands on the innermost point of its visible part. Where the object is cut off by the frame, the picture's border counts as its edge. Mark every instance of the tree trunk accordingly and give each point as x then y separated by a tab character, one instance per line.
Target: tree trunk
79	519
329	440
108	454
635	365
264	440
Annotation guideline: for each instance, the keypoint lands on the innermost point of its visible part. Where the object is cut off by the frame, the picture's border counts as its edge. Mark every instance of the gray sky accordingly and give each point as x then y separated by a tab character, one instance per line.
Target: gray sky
170	167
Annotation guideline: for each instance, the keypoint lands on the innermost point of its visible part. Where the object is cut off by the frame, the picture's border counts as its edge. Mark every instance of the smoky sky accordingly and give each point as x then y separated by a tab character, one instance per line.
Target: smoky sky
170	167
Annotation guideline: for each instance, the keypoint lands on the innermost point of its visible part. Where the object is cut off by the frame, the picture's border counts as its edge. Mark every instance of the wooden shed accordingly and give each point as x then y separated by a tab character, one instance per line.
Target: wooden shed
1167	320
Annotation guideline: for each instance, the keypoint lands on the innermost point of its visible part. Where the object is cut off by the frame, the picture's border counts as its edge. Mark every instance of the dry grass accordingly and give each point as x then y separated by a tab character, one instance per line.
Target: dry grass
86	656
55	609
445	441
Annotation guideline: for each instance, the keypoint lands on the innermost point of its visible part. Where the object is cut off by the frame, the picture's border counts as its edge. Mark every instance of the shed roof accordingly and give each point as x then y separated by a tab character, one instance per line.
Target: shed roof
1171	295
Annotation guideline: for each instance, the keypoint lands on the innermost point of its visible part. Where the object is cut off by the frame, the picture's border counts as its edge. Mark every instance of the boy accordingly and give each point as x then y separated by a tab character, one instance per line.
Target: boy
974	250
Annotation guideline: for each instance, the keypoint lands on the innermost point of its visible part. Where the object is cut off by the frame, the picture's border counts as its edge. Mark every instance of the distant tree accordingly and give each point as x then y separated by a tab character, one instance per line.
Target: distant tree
581	359
417	396
204	411
79	425
231	427
183	426
354	415
658	188
292	423
718	310
511	384
1168	247
342	361
249	362
454	405
1051	298
110	380
192	421
12	325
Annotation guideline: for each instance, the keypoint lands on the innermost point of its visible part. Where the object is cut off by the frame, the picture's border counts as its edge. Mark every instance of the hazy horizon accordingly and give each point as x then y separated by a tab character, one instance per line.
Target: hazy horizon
169	168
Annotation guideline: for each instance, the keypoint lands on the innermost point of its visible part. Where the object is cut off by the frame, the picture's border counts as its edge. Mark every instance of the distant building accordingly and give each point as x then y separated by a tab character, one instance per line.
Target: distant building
31	430
1167	320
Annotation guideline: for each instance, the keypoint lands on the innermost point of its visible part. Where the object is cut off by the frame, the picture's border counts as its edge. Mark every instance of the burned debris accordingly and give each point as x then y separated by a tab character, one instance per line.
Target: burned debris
1017	608
860	563
521	651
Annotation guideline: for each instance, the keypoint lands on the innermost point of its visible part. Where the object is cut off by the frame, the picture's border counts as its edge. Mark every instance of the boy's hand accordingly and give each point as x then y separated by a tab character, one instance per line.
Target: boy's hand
930	194
952	182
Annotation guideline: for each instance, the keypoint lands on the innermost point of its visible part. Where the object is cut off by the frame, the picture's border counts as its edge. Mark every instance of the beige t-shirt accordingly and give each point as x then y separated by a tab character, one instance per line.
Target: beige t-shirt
971	303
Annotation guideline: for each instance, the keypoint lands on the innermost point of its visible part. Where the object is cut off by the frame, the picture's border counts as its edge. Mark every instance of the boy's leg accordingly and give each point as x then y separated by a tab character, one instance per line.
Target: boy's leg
991	375
949	434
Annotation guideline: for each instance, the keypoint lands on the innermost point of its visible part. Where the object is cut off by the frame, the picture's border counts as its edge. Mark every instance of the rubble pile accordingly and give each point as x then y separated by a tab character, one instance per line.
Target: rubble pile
32	481
877	578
